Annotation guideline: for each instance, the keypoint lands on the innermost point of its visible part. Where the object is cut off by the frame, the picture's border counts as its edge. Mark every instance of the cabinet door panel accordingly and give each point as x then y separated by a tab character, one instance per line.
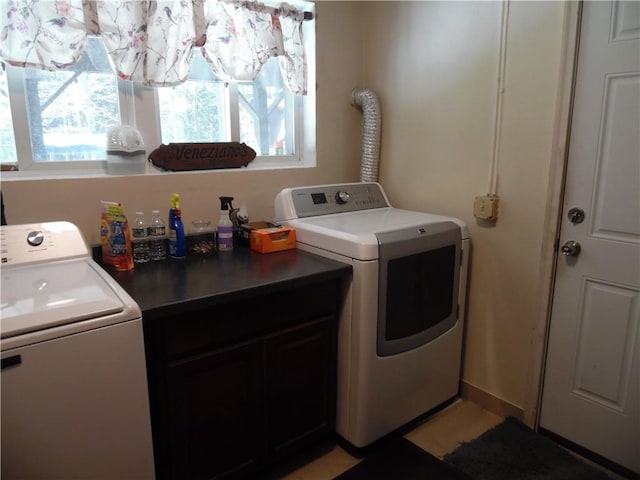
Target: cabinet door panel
300	385
215	412
229	323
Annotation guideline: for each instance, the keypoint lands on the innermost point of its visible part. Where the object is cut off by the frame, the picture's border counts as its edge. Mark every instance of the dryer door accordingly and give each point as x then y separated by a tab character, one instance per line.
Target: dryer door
419	283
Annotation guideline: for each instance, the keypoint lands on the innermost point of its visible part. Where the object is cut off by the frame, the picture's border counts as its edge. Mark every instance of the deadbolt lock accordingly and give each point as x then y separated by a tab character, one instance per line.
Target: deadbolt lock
576	215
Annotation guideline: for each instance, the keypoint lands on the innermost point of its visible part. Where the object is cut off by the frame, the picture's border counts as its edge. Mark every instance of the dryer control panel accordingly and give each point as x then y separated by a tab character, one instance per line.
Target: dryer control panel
328	199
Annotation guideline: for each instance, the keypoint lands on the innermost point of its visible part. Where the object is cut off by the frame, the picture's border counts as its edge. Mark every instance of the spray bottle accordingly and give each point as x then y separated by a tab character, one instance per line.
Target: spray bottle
177	240
225	226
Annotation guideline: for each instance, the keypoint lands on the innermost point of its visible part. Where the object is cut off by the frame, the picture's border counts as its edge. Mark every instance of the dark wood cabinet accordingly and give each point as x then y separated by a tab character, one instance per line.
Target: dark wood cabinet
238	386
299	382
214	412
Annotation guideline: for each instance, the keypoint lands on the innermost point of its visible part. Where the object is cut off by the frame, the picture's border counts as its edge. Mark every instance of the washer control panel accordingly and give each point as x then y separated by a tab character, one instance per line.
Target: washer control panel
40	242
328	199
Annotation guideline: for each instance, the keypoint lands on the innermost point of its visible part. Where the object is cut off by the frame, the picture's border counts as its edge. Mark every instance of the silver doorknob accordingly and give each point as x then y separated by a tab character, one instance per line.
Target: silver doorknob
571	248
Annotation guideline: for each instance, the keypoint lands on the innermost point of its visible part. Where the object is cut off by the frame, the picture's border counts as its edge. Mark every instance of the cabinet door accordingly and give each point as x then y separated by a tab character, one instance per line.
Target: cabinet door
300	385
215	412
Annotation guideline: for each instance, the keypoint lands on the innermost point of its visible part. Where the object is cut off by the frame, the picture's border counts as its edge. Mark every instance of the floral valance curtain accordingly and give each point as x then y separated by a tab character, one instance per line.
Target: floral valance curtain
153	42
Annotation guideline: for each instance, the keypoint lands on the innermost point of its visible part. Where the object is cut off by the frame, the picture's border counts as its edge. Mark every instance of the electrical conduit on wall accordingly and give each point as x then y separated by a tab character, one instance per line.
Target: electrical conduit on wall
367	101
497	127
486	207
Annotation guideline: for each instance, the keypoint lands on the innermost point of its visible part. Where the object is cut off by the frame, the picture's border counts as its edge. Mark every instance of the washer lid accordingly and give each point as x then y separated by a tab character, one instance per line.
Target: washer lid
37	297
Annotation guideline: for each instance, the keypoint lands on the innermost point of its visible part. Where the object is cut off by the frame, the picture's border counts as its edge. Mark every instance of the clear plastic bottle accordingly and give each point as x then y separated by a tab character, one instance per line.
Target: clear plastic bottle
225	226
140	239
157	237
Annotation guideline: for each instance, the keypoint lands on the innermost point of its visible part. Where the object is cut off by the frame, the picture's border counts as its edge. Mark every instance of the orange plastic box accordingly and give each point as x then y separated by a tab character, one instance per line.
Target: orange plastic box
275	239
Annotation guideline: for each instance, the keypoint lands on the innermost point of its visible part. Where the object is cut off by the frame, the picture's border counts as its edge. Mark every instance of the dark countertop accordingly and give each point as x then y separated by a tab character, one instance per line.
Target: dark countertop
171	287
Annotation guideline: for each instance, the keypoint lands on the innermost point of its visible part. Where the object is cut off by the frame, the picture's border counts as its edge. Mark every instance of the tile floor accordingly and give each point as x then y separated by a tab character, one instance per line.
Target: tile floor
439	434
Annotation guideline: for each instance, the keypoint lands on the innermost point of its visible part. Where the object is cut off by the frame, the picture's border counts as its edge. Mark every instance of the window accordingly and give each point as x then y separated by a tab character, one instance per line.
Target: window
65	112
202	97
60	118
7	142
266	113
263	109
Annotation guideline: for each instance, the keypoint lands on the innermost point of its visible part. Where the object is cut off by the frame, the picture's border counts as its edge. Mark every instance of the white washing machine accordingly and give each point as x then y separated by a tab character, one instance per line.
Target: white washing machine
400	335
74	386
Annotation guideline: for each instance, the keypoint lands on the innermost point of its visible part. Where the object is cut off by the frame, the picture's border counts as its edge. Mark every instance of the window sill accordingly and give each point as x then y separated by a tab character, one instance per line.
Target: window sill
259	163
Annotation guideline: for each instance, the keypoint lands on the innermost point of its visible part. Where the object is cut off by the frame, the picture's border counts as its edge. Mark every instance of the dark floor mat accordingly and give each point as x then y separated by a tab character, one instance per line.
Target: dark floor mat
513	451
402	460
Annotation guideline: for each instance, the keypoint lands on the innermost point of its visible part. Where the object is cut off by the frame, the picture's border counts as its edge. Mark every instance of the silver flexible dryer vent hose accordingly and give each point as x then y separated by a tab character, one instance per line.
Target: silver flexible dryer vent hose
367	102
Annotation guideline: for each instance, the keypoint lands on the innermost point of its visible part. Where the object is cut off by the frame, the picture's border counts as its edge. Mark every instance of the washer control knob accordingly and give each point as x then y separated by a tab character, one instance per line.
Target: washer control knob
342	197
35	238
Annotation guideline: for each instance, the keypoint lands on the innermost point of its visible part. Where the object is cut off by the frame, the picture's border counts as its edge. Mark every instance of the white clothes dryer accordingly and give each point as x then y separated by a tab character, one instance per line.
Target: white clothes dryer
400	333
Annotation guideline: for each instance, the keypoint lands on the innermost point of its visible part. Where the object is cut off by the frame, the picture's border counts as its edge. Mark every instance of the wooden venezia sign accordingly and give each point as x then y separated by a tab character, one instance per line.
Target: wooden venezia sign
202	156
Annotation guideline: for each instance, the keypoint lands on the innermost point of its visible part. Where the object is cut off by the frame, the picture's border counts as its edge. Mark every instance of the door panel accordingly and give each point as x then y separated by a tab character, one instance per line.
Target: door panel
617	171
607	345
591	386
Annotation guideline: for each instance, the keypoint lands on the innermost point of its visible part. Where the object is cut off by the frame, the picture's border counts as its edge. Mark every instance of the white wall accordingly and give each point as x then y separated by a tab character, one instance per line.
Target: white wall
434	67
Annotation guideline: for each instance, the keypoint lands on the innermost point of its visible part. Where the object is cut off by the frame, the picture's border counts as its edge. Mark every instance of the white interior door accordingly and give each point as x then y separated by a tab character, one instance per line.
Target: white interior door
591	386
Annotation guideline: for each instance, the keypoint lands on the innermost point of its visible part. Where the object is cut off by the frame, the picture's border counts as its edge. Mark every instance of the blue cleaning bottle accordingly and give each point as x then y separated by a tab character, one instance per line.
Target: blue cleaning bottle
177	240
